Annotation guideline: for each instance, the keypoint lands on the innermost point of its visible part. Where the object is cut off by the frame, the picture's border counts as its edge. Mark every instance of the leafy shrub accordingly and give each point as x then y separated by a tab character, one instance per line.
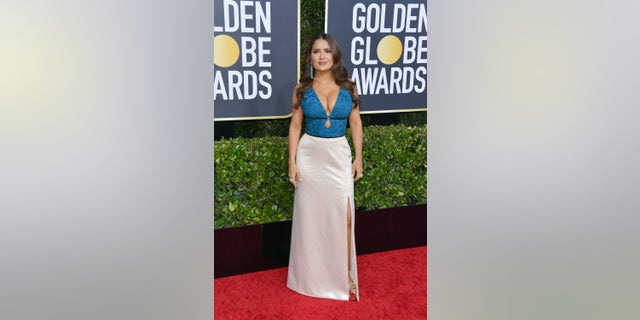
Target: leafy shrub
395	167
252	187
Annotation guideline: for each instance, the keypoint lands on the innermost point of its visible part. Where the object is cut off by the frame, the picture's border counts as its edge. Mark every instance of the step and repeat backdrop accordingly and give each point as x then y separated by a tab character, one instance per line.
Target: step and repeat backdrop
384	46
256	55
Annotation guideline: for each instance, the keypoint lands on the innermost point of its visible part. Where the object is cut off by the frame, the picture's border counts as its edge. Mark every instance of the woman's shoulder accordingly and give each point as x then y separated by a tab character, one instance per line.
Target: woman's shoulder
297	90
306	87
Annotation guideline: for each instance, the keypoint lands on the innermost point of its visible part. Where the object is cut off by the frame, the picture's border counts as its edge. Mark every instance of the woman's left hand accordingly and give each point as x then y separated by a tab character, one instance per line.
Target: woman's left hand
356	170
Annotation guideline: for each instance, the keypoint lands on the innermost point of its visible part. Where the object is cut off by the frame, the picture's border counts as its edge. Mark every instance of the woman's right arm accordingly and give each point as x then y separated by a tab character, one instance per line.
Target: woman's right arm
294	137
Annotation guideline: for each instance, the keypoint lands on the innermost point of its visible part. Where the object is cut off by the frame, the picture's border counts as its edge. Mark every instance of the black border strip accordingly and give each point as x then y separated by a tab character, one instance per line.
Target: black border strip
263	247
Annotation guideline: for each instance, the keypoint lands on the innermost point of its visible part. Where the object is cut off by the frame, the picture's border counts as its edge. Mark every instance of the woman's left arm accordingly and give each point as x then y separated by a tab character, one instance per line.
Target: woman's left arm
355	123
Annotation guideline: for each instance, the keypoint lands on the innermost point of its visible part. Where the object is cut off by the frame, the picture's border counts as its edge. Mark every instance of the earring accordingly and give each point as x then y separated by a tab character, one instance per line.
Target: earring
311	71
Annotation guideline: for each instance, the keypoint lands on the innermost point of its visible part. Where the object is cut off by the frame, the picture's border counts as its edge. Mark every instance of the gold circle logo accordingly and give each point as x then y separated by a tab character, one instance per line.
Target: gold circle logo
389	49
225	51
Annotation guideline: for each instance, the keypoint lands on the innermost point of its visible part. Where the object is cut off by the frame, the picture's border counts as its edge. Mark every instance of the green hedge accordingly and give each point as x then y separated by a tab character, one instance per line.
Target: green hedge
251	184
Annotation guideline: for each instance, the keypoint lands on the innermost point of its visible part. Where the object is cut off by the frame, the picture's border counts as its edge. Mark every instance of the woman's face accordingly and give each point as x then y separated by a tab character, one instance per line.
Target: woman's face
321	56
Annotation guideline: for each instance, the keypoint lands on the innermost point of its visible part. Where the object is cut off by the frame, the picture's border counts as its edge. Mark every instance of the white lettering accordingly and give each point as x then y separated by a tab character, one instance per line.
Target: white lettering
235	83
409	52
254	52
361	50
372	21
407	80
230	16
242	85
422	19
399	14
262	52
358	21
264	17
381	80
382	83
415	49
366	79
218	86
250	85
264	75
367	53
421	76
396	77
248	51
357	54
245	16
409	18
422	50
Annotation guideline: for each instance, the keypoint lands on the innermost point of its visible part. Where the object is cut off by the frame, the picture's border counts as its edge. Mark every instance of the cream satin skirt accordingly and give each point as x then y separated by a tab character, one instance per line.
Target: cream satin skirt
318	261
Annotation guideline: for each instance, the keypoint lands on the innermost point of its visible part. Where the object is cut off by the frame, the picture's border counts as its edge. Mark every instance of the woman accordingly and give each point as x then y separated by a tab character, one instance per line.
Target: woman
322	261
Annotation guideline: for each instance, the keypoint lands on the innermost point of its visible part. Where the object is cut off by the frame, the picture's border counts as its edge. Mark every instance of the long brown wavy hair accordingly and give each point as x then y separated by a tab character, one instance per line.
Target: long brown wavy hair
338	69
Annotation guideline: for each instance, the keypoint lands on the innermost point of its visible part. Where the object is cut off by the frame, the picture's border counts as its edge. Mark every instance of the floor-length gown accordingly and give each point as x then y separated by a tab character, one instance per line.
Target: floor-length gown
323	202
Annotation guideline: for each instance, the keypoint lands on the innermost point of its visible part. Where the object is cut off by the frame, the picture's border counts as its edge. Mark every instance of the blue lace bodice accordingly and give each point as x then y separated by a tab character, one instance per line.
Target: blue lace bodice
315	116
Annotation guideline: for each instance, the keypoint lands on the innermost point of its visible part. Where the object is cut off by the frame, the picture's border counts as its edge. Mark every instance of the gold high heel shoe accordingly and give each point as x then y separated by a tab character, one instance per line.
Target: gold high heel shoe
352	292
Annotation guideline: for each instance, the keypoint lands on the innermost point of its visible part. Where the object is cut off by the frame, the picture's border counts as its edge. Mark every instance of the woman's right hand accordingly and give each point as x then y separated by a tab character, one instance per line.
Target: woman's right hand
294	175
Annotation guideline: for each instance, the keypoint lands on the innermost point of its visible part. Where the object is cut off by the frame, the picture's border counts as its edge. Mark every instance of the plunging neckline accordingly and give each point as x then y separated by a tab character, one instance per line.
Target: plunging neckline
315	93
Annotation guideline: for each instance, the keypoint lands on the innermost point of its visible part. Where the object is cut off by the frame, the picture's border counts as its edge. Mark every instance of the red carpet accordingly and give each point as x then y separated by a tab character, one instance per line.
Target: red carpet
393	285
